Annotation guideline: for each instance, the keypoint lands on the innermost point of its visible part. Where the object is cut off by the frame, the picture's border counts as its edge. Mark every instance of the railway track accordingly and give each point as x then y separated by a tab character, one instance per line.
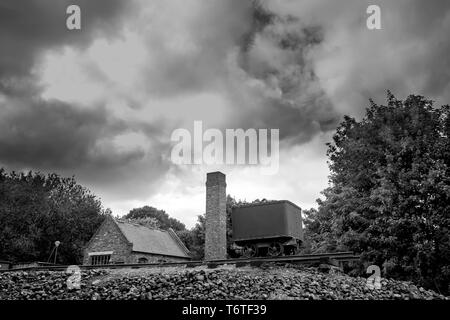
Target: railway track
296	259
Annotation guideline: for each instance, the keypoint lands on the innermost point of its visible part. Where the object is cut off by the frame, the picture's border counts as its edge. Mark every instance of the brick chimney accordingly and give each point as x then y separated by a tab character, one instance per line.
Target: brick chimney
216	217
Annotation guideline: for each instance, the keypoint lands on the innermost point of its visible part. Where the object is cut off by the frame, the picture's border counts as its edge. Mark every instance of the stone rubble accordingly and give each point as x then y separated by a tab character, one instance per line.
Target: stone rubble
269	282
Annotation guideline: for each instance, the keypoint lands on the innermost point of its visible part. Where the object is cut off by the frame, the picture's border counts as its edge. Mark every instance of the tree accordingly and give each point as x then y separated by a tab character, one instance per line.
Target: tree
148	222
194	239
231	203
36	210
317	233
389	190
163	219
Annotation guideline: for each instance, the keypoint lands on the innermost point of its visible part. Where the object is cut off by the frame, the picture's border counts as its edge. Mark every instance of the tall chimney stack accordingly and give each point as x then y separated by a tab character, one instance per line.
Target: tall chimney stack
216	217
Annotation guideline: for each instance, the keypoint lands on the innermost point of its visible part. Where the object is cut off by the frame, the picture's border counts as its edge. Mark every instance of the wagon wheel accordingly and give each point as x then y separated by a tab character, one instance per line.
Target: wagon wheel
250	251
298	247
292	250
295	250
275	249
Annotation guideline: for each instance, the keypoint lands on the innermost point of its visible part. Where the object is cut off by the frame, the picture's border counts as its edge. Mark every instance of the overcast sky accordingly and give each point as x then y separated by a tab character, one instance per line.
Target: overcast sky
101	103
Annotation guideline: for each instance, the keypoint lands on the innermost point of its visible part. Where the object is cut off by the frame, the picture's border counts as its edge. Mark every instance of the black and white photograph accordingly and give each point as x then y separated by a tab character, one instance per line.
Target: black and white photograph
226	156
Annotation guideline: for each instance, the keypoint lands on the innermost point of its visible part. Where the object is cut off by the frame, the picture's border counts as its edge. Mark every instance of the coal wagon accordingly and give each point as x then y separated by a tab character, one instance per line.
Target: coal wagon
267	229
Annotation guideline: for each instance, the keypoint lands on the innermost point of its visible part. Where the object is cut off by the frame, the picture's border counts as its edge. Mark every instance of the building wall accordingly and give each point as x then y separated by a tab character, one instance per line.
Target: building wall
153	258
109	238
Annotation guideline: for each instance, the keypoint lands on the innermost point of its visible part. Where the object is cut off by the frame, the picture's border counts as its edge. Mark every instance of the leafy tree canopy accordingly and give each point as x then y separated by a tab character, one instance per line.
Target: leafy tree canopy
389	194
36	210
149	222
194	239
164	221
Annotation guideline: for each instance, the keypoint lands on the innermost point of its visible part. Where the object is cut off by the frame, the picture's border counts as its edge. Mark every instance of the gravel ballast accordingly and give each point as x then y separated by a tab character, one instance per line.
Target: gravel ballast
227	282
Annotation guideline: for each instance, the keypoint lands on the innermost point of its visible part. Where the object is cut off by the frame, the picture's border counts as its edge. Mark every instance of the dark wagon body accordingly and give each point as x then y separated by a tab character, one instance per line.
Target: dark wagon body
272	228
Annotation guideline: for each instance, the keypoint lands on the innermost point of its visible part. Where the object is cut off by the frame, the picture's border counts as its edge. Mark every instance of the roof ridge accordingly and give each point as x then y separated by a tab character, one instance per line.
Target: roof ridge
136	224
133	234
178	240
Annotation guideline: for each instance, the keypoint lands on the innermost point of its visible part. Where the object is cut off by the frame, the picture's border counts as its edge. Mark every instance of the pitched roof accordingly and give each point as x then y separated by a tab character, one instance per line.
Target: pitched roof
153	241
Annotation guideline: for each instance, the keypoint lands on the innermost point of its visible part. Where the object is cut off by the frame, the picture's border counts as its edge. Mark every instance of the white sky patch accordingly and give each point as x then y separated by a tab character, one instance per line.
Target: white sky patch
131	141
62	75
211	107
182	208
302	176
180	199
106	71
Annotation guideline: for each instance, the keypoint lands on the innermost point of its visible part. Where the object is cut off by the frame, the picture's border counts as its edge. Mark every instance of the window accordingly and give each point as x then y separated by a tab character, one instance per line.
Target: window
100	259
142	260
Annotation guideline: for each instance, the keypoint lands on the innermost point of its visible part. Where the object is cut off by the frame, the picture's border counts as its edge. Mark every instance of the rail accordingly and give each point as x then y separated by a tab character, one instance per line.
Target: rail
296	259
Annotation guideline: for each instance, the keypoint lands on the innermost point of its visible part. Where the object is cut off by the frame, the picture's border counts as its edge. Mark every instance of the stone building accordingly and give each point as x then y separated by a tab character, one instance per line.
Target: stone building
118	242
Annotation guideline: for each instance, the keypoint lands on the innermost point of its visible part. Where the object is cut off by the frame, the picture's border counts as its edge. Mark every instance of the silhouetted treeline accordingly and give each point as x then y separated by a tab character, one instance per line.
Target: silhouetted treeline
36	210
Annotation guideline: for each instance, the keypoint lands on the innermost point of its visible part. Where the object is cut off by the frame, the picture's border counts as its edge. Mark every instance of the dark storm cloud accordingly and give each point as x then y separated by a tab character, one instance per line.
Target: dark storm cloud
409	55
29	27
293	65
54	134
280	79
189	49
255	58
34	131
301	65
434	33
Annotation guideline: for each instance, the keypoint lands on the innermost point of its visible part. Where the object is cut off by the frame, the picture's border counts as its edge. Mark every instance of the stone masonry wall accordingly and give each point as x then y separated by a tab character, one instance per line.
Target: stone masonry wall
215	234
109	238
154	258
